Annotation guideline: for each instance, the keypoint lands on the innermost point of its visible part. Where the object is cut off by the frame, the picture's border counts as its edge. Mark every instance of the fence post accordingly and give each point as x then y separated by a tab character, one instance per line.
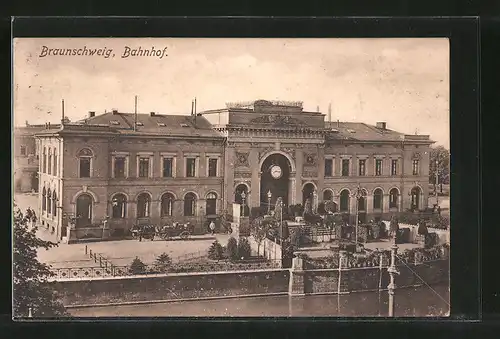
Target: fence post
100	261
85	249
90	254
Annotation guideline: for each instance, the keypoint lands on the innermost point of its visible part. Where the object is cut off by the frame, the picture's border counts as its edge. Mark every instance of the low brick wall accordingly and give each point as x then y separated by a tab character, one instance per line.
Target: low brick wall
373	278
173	286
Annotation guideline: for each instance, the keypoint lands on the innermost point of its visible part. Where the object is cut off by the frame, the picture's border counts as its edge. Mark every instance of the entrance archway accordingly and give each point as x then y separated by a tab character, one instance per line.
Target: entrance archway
275	178
415	198
84	210
308	193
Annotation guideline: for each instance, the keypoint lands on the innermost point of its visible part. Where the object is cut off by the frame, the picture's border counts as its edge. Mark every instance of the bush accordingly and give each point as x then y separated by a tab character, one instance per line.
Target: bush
216	251
232	249
163	262
137	267
244	250
256	212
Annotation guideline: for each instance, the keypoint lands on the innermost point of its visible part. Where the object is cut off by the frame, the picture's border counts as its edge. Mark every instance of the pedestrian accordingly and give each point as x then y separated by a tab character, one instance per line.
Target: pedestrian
439	210
212	227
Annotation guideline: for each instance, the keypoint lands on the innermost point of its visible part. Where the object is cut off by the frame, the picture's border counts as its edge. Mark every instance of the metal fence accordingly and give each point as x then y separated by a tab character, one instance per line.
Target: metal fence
123	271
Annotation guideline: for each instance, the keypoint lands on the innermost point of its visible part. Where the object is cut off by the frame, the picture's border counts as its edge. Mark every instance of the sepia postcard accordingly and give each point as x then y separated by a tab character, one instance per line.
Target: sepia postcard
229	177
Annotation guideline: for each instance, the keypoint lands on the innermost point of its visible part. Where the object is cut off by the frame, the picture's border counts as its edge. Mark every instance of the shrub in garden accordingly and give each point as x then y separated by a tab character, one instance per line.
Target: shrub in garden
232	249
244	250
216	251
163	262
137	266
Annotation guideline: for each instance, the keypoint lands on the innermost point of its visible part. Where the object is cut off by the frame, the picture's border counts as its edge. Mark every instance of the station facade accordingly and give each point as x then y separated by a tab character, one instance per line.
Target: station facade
118	169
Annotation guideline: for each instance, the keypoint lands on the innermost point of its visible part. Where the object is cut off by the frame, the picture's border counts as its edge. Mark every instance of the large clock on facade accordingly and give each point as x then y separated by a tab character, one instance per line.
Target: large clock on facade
276	172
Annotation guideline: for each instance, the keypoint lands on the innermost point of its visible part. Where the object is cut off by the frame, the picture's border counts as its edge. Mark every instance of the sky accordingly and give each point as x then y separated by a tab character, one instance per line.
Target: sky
404	82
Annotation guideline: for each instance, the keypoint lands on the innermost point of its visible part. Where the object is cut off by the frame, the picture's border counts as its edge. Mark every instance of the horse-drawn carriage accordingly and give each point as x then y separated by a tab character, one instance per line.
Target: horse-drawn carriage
164	232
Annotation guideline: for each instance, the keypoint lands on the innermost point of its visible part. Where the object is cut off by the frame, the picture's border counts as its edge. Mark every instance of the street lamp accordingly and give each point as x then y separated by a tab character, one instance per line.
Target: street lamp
358	194
315	197
269	196
243	196
392	272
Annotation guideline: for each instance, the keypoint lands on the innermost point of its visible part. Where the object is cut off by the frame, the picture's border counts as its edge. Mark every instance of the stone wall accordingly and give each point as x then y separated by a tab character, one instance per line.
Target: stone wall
172	286
371	278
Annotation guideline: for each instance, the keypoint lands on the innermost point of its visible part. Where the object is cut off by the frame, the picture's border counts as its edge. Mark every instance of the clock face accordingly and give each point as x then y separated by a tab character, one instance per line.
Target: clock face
276	172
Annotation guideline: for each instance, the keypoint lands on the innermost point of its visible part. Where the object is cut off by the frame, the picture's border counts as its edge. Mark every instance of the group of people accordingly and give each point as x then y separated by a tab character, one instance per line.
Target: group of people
31	216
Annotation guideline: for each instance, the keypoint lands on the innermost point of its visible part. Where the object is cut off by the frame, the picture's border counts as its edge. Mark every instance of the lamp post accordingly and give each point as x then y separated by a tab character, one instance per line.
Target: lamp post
269	196
243	196
358	193
437	182
392	272
315	197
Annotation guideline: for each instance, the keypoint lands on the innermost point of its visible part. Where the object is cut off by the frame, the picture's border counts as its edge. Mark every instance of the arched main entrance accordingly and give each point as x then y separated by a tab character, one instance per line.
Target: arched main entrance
415	198
84	210
275	179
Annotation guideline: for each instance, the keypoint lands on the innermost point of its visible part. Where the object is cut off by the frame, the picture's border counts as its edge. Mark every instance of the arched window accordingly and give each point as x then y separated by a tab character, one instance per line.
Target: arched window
143	205
54	203
167	205
378	197
327	195
362	201
84	210
415	197
393	198
55	172
211	208
119	206
49	202
44	200
189	204
85	162
344	201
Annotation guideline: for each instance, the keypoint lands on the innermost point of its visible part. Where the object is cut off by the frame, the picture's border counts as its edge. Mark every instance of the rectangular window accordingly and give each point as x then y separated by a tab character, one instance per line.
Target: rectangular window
119	167
55	164
328	167
212	167
415	167
394	167
378	167
345	167
23	150
49	165
362	168
190	167
143	167
168	167
84	167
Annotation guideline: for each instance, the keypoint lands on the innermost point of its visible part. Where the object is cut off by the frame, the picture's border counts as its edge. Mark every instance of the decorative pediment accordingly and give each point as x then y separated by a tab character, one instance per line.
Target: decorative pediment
276	120
242	159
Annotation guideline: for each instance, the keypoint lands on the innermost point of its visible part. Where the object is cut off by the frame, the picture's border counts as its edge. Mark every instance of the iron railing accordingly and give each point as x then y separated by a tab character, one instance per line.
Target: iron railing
124	271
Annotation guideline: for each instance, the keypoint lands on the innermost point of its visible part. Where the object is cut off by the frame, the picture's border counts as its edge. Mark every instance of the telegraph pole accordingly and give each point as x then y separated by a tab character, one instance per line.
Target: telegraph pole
437	182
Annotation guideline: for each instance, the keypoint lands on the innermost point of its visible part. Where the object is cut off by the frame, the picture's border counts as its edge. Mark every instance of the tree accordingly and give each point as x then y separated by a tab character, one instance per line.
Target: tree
440	155
137	267
259	230
32	289
232	249
244	249
163	262
216	251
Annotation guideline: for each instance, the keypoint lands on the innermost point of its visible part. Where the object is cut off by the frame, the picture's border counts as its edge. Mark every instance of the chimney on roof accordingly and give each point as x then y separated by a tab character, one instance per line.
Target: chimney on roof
91	114
48	125
152	114
381	125
115	111
27	123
